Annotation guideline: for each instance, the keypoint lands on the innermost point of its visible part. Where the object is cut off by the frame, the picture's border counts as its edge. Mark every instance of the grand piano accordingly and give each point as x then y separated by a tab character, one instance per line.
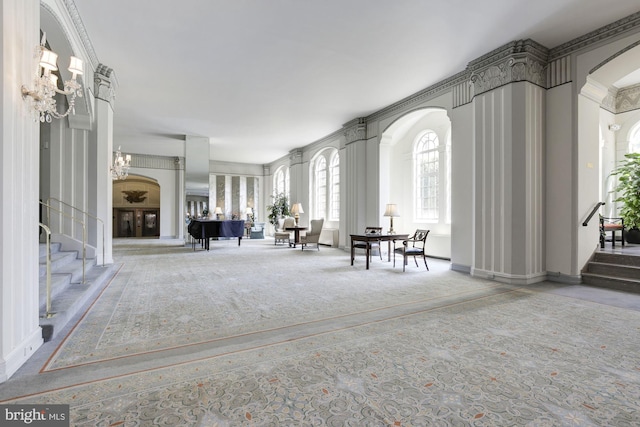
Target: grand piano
204	230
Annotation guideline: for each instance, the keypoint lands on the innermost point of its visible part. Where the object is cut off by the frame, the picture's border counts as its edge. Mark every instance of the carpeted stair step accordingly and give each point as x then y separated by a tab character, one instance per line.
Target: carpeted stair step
611	282
614	270
620	259
68	302
59	261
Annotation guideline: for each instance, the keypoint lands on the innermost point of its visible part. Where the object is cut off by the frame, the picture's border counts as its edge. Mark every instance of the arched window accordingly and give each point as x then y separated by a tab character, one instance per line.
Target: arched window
281	181
325	185
320	205
634	139
334	192
427	161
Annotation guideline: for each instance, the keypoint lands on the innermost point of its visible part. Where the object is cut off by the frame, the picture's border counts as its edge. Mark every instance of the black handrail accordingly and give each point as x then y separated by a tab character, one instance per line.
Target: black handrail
593	212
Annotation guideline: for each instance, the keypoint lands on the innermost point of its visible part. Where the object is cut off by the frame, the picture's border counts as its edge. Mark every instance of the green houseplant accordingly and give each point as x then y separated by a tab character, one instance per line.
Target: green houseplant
278	209
628	192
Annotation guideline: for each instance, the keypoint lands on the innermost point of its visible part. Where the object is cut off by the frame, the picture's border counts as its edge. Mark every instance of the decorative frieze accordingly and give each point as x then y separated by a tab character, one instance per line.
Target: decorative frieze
147	161
628	99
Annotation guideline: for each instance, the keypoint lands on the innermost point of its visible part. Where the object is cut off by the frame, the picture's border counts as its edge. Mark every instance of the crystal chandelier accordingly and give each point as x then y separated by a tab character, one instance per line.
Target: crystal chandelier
45	85
121	165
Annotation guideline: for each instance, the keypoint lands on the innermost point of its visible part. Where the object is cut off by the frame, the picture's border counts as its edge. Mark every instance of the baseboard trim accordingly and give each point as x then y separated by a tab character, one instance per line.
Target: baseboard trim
20	355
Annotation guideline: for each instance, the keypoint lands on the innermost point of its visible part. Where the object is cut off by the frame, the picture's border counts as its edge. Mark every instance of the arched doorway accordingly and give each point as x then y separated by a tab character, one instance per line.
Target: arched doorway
136	207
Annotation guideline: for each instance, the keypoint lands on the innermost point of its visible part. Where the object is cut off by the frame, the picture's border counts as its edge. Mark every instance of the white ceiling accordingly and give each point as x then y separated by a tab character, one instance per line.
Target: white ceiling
262	77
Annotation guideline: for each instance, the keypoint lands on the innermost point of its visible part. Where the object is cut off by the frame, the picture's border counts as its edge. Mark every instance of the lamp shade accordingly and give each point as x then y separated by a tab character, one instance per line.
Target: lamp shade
391	210
48	60
249	211
75	66
297	208
218	210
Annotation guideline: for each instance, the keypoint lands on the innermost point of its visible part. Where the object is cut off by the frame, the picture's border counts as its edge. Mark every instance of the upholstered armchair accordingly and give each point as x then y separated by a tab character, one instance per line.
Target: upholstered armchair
313	235
257	231
282	234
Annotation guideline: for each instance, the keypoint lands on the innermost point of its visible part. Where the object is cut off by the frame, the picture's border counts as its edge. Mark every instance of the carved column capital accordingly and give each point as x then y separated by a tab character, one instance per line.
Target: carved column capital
104	84
355	130
522	60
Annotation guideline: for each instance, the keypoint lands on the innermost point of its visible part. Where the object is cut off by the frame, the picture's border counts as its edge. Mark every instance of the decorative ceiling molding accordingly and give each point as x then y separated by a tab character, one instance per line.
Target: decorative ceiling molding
82	32
603	33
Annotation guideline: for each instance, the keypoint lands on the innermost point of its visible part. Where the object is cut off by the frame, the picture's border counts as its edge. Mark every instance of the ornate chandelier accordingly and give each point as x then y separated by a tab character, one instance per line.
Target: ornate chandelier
121	165
45	85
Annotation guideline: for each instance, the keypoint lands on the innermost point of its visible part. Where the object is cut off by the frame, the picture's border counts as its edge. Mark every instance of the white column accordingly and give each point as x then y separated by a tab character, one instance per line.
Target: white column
103	133
508	240
20	333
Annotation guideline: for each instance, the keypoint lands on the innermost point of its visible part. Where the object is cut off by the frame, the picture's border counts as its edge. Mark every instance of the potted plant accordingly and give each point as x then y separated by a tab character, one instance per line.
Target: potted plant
278	209
628	192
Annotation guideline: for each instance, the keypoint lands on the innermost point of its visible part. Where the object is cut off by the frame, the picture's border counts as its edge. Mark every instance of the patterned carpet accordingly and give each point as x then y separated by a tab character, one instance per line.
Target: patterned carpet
260	335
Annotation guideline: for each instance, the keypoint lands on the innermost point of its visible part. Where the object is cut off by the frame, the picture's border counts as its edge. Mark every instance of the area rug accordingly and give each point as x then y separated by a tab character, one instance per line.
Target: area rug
168	296
517	358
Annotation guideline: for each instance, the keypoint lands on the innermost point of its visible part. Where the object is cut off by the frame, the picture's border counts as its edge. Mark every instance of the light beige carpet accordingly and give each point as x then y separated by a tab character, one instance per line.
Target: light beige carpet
264	335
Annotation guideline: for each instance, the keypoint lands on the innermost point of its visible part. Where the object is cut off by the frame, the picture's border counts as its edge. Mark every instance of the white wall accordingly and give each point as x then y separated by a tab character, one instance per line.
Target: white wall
170	222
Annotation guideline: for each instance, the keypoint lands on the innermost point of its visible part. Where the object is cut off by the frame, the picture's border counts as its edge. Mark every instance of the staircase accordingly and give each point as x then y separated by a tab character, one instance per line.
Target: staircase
613	271
69	296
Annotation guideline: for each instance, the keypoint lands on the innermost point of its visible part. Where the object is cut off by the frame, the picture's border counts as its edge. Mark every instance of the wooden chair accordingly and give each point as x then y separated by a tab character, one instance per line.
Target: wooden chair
282	235
413	246
372	245
612	225
313	235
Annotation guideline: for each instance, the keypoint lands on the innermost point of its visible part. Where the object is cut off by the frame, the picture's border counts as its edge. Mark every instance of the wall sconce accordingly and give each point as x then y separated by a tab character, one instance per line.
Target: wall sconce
615	127
391	211
45	84
296	210
121	165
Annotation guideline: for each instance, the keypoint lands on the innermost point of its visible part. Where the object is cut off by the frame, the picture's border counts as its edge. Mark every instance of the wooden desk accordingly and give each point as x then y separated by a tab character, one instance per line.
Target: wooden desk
296	234
368	238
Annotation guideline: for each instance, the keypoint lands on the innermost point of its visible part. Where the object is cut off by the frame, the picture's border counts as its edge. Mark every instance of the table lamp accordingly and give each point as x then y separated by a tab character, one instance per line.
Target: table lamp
296	210
391	211
218	212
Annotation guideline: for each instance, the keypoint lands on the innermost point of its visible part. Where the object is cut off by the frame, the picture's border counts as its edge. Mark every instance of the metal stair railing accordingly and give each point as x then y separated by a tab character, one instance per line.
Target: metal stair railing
84	234
47	231
84	213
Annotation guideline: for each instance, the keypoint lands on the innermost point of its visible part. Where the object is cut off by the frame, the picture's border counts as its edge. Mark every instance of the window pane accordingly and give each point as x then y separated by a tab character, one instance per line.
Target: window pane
321	188
427	172
335	188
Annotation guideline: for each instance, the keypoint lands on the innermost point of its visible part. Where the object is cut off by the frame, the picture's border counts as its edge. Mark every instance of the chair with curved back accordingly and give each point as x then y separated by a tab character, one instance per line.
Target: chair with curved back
413	246
282	234
313	235
373	245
